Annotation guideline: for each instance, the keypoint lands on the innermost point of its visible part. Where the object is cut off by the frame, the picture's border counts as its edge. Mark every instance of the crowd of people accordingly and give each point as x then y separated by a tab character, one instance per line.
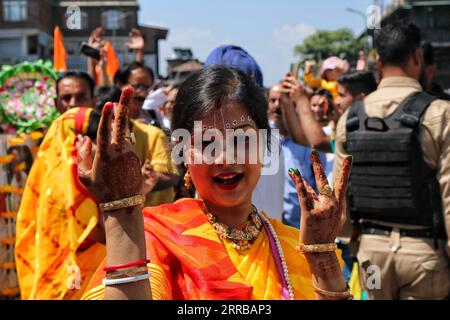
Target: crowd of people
359	204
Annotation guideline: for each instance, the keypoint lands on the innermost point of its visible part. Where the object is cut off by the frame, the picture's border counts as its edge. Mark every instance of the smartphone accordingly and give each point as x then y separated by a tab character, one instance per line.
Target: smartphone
90	51
294	70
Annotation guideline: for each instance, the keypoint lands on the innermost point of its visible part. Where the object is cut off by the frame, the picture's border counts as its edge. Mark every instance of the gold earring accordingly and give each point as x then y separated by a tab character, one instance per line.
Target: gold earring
187	180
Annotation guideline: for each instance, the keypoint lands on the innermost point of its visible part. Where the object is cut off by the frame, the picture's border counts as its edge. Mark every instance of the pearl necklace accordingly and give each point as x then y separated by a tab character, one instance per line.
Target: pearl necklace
284	266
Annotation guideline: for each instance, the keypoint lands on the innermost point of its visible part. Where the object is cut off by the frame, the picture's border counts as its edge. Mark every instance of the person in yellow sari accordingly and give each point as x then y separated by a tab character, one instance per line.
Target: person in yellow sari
218	246
180	270
57	246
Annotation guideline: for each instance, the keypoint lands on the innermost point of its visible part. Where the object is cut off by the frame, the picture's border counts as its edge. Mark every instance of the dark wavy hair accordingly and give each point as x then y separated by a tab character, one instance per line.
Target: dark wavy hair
211	87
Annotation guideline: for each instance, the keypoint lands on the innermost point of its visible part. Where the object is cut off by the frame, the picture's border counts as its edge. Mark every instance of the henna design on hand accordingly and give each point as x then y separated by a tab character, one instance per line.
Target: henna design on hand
322	215
114	172
327	269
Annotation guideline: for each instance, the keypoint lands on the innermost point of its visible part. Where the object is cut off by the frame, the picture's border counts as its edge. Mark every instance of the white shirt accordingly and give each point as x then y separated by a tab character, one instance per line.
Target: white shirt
268	194
328	130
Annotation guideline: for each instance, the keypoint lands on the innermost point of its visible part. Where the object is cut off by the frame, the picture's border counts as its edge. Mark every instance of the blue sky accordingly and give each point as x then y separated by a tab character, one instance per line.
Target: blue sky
268	30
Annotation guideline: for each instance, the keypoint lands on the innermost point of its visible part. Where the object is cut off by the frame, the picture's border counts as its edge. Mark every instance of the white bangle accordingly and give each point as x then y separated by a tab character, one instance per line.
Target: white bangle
112	282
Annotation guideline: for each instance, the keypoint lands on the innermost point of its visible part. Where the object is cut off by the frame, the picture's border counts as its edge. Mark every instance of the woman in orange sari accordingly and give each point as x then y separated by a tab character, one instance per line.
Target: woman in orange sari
59	242
218	246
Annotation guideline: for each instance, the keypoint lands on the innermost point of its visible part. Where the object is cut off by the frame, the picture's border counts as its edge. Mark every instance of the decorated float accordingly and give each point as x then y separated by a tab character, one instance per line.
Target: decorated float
27	93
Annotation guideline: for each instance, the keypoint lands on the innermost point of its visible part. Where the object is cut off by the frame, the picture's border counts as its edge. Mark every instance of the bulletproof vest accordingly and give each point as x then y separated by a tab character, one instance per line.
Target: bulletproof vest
390	181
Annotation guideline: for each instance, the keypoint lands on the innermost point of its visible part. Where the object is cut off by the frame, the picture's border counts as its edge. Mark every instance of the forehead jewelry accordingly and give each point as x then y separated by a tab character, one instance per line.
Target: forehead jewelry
236	122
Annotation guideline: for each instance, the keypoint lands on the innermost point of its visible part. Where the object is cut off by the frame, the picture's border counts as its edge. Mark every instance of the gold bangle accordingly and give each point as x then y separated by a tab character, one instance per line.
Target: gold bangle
317	248
122	203
342	295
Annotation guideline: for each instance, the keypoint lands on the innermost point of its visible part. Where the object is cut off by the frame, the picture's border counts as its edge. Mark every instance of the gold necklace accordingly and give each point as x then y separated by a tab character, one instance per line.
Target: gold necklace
241	237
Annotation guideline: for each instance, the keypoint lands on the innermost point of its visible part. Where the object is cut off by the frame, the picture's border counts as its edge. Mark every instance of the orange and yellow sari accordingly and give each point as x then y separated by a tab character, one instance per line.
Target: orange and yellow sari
55	257
190	261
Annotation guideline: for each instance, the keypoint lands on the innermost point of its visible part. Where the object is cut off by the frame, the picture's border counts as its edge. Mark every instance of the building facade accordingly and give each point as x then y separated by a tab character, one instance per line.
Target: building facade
26	29
433	18
182	64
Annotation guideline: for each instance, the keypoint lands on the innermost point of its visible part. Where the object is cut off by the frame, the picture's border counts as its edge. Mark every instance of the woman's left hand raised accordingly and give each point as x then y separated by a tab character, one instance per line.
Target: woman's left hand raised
323	215
114	172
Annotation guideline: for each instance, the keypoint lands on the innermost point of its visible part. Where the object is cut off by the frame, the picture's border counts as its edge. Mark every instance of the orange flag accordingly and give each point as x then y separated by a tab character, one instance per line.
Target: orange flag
112	64
59	52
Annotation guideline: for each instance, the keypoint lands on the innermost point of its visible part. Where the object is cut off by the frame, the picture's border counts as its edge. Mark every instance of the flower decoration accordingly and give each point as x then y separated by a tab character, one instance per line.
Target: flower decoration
27	93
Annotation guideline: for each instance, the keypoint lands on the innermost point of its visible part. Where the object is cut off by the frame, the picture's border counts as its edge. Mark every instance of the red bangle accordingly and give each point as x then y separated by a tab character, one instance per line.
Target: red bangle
126	265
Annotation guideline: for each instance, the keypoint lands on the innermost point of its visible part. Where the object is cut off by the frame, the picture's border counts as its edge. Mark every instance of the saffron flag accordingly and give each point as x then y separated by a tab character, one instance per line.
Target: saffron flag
113	63
59	52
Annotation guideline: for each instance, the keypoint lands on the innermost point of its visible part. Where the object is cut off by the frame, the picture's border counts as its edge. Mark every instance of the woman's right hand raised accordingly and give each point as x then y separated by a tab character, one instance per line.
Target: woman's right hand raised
309	65
114	172
292	88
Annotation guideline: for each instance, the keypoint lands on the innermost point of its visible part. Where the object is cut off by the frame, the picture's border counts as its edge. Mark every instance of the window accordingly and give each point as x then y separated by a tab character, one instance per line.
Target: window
15	10
84	21
431	18
442	18
11	47
113	20
33	44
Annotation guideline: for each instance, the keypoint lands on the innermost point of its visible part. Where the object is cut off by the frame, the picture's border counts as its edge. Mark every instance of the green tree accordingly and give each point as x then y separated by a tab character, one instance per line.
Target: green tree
326	43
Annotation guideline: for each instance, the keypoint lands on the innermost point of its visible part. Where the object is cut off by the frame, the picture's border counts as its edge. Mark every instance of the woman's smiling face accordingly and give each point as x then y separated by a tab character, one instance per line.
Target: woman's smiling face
229	176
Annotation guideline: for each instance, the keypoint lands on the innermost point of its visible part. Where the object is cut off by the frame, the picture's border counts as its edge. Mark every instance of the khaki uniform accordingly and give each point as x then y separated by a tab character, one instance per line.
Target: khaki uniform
410	268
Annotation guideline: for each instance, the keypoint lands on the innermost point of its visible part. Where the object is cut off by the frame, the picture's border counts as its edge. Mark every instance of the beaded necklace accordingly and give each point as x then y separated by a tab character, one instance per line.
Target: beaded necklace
241	237
287	292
